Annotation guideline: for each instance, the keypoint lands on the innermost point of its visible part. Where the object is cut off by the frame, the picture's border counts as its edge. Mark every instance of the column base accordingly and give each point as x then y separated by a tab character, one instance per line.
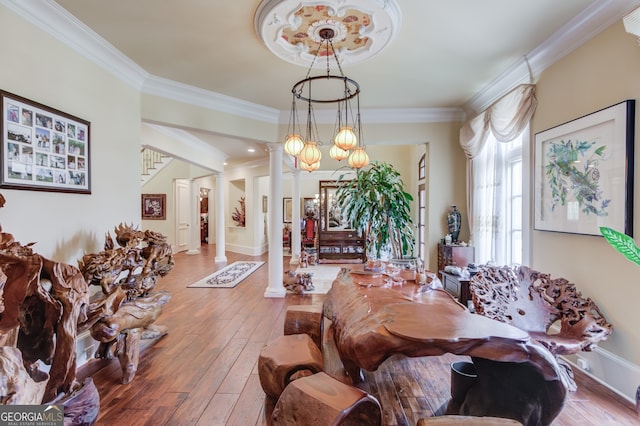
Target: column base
275	292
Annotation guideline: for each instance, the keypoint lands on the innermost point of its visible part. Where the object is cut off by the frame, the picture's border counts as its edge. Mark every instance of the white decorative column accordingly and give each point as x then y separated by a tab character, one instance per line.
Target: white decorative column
276	269
295	219
220	238
194	205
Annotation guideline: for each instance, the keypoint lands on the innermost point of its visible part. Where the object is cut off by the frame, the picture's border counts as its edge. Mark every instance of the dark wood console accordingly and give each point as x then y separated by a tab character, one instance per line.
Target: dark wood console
336	240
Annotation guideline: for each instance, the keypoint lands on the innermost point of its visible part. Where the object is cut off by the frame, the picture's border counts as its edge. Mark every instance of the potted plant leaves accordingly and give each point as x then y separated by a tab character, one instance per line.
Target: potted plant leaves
377	206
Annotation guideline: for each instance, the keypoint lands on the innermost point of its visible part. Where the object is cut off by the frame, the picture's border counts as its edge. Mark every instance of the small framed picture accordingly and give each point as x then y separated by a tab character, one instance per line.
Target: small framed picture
154	206
287	210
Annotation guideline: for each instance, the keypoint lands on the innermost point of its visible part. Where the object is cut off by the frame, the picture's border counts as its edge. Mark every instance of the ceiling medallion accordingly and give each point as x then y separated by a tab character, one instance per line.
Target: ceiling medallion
361	28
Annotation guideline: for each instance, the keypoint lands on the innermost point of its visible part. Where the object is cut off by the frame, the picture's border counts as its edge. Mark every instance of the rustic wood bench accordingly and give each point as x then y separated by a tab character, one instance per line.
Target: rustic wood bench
321	400
285	359
305	319
533	302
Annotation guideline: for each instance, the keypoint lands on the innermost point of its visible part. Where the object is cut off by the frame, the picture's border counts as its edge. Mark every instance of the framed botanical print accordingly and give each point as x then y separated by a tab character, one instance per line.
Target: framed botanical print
583	172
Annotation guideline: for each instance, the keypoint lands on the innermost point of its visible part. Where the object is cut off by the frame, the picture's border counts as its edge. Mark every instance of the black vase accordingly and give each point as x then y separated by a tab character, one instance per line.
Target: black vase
454	221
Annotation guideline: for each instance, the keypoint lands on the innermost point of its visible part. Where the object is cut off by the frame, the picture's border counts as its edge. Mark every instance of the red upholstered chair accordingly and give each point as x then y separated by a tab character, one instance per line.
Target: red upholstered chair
309	232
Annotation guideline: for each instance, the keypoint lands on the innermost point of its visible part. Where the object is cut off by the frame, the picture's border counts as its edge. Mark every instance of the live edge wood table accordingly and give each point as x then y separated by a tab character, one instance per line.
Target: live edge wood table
517	378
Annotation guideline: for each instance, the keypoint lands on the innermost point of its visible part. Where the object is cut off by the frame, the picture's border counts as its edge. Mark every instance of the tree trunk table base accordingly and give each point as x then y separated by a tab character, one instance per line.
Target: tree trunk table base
286	359
305	319
320	400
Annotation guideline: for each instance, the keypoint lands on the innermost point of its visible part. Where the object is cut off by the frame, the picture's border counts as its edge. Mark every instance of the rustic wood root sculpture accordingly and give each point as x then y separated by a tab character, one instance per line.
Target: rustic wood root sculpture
17	386
532	301
131	322
126	312
298	283
44	304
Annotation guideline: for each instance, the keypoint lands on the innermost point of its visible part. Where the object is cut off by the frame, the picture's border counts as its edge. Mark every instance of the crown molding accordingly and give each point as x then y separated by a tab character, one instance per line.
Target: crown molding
390	115
207	99
57	22
590	22
186	139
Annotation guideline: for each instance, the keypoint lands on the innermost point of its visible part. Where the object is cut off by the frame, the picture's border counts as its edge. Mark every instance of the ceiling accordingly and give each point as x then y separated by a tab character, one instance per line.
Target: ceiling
443	54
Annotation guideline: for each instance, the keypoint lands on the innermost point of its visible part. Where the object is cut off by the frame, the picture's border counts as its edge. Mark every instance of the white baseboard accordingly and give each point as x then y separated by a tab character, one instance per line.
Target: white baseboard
618	374
614	372
246	250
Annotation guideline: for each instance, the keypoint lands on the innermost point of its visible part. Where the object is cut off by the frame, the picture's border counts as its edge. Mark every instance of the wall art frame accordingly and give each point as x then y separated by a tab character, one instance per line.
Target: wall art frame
310	206
43	149
154	206
287	209
583	173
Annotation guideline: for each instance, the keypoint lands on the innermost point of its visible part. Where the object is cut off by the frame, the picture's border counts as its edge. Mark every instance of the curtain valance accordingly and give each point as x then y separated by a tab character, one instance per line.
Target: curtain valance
506	119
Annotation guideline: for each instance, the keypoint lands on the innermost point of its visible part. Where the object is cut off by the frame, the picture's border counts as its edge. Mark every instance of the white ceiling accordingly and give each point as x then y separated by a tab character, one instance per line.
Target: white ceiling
446	54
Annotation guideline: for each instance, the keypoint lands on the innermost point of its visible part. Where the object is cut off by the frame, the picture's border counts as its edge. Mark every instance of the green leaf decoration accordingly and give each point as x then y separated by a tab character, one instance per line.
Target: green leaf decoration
623	243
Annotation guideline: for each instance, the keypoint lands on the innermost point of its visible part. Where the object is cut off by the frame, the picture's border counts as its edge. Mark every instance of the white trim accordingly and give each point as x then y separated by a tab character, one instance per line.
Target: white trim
56	21
590	22
608	369
388	115
181	92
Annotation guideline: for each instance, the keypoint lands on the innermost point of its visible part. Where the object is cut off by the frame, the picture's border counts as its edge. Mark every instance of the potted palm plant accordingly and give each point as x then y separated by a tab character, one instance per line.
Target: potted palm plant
377	206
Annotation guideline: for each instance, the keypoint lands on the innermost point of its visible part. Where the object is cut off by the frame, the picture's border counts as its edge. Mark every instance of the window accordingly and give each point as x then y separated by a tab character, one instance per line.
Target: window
498	201
422	218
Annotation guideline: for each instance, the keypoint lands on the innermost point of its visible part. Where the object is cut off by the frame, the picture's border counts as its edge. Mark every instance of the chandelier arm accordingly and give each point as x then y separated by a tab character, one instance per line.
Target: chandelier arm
335	55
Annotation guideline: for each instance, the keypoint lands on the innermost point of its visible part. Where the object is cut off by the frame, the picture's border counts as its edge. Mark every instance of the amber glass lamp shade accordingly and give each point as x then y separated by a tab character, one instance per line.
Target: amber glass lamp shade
293	145
310	167
338	153
310	153
358	158
346	139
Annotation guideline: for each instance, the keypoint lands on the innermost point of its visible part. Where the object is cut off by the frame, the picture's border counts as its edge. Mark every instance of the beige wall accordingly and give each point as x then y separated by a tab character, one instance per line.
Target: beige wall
603	72
65	226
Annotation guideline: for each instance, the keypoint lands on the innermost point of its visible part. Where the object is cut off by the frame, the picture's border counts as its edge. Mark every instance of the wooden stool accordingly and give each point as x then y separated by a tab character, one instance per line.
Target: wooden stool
307	319
285	359
321	400
466	421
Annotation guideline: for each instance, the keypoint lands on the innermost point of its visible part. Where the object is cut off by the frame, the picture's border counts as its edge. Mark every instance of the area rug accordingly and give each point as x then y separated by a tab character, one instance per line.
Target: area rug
322	277
229	276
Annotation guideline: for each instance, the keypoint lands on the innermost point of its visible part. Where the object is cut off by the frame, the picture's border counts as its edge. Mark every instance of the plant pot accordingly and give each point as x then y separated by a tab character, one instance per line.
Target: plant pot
463	376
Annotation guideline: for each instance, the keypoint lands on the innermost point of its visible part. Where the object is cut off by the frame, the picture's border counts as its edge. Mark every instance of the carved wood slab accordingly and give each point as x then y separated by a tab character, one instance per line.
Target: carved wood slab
517	377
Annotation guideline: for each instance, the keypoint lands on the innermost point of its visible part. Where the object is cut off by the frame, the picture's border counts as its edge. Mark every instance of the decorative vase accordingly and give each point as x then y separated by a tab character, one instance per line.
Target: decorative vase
454	221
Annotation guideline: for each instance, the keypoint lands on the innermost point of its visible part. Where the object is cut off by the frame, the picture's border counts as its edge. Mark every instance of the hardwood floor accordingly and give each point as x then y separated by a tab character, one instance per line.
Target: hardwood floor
204	372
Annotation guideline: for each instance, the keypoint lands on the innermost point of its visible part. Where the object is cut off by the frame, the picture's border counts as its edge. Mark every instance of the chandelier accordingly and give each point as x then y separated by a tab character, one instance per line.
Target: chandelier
339	90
